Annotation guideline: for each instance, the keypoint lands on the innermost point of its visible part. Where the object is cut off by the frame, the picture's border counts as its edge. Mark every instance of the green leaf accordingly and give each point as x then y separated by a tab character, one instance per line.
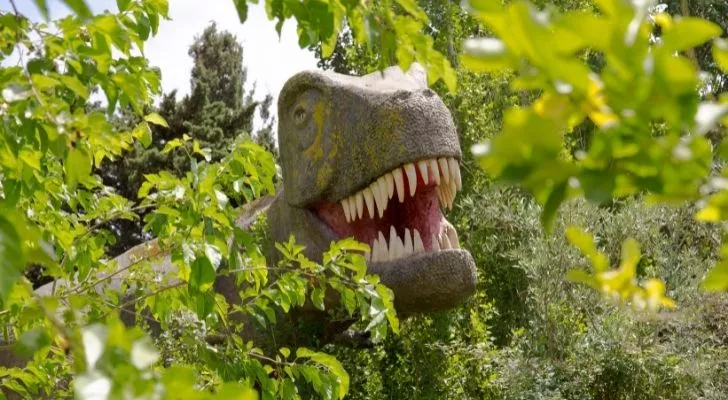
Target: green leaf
79	7
317	297
202	275
44	82
413	9
241	6
331	363
32	341
171	145
75	85
720	53
156	119
12	260
688	33
78	166
43	8
123	4
143	133
556	197
717	278
485	55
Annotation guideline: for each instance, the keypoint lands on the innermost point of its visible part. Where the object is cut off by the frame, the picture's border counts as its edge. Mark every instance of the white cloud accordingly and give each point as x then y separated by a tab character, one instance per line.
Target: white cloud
270	61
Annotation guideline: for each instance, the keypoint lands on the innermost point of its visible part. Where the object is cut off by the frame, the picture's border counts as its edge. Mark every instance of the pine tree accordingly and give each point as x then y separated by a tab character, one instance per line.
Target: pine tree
265	135
215	113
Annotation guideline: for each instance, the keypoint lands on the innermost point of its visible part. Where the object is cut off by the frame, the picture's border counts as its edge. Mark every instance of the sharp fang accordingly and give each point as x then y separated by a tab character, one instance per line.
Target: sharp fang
422	165
444	170
440	196
453	192
390	184
435	243
375	250
359	205
418	245
408	247
399	180
411	177
377	197
395	244
382	182
352	207
368	256
455	171
445	195
345	206
369	199
435	170
452	235
445	242
383	256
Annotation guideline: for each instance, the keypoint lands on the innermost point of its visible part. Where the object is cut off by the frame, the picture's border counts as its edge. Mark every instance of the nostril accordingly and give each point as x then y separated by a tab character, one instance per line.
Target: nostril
402	95
428	92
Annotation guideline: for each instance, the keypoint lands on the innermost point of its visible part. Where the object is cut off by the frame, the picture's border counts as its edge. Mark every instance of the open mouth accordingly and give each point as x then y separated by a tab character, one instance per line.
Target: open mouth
399	213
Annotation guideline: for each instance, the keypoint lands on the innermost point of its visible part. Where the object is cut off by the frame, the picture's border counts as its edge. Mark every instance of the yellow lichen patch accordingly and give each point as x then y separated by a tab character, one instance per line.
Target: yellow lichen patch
320	114
324	175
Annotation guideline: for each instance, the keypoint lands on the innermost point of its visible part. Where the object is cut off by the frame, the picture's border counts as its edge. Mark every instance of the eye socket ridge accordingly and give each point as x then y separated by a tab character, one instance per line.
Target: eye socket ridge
300	115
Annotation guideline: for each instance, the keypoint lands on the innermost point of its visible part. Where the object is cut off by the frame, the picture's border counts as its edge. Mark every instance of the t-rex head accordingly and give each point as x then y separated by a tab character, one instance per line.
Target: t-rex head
375	157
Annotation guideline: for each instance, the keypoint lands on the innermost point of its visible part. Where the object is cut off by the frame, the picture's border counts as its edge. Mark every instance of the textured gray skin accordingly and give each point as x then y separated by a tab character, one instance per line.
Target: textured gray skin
355	129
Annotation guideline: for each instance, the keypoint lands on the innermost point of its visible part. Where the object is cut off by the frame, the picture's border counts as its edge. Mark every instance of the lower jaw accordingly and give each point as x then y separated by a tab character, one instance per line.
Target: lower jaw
430	281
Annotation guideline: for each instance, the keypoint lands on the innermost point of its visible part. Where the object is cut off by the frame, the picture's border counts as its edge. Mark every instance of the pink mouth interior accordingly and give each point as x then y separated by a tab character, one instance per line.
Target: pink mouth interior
421	212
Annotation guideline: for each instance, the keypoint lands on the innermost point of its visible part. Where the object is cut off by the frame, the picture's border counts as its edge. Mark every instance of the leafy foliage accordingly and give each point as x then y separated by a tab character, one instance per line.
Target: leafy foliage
69	335
215	113
645	102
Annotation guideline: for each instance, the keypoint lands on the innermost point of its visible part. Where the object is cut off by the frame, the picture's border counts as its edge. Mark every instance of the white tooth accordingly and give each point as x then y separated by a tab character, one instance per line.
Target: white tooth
418	245
375	250
435	170
411	177
444	242
393	244
445	188
399	180
422	165
383	253
451	194
396	248
454	191
383	192
377	196
435	243
452	235
369	199
368	256
359	204
390	184
455	171
408	248
444	169
345	206
351	202
440	196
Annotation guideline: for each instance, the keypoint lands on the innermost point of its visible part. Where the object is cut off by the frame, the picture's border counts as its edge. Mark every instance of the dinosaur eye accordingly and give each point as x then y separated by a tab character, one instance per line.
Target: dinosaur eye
299	116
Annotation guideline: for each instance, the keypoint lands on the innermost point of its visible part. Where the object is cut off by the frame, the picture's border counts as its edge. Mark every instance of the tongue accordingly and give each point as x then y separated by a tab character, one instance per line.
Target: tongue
421	212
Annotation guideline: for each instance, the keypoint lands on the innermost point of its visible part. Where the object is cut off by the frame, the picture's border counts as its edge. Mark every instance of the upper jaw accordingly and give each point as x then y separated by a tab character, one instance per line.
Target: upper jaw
398	213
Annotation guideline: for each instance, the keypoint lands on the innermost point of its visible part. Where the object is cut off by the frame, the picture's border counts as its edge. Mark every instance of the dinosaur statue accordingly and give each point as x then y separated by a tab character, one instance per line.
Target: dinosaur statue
373	157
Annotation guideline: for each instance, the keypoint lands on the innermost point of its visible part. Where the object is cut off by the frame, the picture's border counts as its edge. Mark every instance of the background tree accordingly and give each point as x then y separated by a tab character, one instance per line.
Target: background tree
528	333
215	113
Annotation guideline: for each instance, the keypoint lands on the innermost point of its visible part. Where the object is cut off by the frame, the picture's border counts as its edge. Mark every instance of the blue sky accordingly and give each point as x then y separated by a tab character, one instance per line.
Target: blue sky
270	60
